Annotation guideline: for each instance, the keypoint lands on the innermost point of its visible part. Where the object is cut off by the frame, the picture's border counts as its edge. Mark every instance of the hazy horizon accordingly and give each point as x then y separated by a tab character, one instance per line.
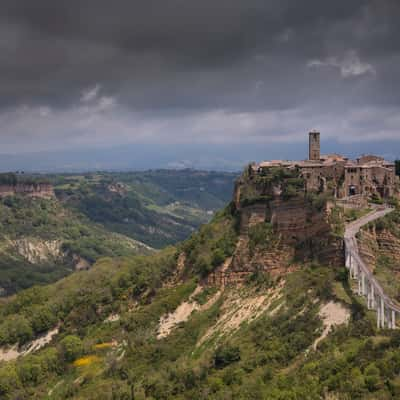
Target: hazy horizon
145	157
211	84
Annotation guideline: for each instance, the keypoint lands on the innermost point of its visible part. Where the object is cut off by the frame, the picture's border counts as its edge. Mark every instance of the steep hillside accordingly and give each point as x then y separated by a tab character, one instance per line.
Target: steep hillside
379	243
44	237
41	241
224	315
136	329
156	207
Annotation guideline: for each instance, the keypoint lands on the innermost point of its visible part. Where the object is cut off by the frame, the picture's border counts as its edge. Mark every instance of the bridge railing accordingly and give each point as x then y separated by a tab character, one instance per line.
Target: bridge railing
368	285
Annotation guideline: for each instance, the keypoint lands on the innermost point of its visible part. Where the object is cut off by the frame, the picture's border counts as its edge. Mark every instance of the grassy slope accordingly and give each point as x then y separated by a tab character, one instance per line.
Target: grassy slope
269	358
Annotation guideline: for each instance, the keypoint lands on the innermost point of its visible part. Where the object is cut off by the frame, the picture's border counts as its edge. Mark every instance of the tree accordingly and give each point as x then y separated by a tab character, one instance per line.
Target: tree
397	163
71	348
42	319
218	257
372	377
225	355
8	381
16	329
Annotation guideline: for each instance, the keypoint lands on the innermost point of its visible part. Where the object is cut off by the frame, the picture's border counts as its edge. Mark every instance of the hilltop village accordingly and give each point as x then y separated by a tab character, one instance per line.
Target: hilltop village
366	177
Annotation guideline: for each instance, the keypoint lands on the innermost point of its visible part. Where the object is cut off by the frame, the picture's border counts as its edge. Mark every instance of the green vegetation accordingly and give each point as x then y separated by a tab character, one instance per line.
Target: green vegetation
155	207
318	201
267	358
77	299
351	214
13	179
216	241
376	199
387	267
336	221
158	208
261	236
397	163
110	347
260	187
28	223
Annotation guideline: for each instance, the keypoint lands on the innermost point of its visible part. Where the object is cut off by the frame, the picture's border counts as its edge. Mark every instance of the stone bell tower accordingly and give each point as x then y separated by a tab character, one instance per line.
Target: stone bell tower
314	148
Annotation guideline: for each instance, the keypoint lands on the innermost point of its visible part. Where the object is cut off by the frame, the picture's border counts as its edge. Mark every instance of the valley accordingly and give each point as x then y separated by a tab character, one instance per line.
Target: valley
256	304
53	225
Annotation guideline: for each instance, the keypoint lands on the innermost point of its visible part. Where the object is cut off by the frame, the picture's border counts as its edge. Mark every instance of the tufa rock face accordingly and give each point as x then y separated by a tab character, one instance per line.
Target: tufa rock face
280	227
43	190
37	251
375	242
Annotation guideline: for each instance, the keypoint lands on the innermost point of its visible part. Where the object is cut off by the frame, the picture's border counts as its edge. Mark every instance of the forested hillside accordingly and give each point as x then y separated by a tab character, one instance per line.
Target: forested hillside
148	328
42	241
158	208
211	318
46	234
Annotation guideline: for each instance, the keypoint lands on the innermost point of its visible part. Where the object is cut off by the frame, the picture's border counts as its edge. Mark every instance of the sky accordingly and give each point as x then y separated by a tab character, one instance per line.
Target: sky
186	83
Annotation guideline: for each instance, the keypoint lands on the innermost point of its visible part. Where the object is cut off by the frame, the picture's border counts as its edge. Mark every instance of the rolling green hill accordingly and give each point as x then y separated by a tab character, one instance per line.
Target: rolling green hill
164	326
254	342
96	215
158	208
42	241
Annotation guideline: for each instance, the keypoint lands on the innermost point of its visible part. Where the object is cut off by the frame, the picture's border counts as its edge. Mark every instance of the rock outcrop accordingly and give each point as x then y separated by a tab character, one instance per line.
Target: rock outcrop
280	227
42	190
374	243
37	251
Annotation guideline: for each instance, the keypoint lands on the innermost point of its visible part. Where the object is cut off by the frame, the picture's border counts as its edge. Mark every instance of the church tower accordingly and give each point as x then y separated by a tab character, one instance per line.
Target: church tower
314	148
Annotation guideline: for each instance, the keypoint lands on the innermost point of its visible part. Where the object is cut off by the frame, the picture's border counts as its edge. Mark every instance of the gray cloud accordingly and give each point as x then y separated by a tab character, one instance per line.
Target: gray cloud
95	73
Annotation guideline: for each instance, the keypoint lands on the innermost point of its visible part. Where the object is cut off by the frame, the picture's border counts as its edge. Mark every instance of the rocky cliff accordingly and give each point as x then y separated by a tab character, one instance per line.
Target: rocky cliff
375	242
43	190
280	227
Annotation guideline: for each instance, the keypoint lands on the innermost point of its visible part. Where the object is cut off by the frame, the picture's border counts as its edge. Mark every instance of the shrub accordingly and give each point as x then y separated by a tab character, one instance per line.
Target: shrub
261	235
202	266
8	381
226	355
218	257
71	348
15	329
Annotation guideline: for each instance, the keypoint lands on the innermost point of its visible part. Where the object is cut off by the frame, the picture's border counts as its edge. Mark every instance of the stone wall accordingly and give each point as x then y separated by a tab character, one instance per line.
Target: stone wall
354	202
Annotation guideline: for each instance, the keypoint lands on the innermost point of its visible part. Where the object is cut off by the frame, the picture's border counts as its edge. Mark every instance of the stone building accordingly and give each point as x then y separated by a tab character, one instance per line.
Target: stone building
314	148
366	176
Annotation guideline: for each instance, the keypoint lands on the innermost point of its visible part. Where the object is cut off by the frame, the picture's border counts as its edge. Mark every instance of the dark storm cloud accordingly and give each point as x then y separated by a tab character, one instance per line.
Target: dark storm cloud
211	69
69	44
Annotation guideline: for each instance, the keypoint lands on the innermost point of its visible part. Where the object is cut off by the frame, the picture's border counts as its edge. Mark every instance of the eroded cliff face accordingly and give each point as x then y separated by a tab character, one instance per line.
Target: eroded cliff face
37	251
280	228
374	243
43	190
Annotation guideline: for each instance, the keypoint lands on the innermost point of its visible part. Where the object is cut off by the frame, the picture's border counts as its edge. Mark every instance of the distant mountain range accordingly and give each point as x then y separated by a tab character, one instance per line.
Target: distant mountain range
221	157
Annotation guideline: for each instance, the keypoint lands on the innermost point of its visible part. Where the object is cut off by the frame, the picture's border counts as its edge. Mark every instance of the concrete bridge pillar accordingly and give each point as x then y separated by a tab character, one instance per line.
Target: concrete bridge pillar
372	302
378	317
382	313
347	257
369	296
388	319
363	286
354	266
393	323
